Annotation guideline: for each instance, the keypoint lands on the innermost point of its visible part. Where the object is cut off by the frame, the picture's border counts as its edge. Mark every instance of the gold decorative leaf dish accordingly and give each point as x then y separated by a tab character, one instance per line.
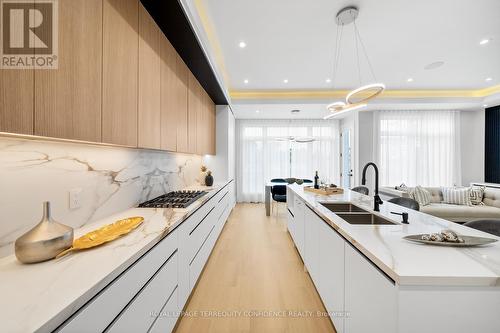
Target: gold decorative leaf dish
104	234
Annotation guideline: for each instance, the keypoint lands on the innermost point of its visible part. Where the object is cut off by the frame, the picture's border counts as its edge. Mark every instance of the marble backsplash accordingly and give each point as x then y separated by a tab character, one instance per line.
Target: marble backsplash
111	179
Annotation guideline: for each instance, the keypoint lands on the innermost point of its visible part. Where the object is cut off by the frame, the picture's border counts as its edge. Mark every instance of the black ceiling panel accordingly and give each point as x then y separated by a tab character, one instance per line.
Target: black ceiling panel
174	23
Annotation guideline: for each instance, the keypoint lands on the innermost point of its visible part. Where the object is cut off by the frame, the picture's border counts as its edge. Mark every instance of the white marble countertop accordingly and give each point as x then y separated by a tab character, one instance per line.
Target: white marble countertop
410	263
39	297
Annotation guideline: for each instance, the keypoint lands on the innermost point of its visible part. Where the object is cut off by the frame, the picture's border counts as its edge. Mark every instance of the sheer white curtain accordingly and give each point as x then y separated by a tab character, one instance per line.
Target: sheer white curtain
418	147
261	156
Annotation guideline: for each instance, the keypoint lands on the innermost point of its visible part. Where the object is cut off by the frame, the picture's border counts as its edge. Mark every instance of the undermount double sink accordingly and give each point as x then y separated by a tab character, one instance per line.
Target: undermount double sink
355	215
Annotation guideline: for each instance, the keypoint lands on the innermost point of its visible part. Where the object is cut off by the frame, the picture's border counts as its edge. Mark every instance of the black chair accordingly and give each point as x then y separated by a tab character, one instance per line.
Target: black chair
278	180
489	226
278	193
405	202
361	189
307	181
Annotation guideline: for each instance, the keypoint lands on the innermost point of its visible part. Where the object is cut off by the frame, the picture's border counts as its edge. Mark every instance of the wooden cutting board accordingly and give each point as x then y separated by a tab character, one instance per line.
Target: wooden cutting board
324	191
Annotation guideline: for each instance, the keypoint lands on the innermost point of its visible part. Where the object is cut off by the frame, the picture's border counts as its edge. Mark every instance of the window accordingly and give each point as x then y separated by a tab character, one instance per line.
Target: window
418	147
263	153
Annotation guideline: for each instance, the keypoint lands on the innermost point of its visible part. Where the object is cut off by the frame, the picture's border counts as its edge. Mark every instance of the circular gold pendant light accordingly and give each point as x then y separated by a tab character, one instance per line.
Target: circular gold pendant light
365	93
357	98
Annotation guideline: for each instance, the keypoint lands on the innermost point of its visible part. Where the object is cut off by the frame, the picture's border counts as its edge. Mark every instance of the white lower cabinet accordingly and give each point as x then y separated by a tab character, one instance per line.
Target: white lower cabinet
167	317
141	313
358	296
331	274
298	235
148	296
311	243
370	296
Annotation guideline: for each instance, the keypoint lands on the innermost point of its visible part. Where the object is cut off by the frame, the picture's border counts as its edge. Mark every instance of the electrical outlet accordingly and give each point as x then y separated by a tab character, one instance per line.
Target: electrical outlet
75	198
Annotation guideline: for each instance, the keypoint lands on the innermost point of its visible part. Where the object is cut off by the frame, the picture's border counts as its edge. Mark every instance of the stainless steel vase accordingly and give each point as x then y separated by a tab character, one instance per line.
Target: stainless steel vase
46	240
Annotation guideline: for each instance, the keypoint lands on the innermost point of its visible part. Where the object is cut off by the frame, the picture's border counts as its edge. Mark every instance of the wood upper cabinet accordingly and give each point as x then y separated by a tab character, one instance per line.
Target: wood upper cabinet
149	115
205	124
211	126
68	99
181	97
16	101
120	67
169	99
193	107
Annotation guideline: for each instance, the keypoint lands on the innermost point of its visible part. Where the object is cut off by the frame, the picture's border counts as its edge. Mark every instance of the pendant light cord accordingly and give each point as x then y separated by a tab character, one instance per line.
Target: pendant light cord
364	50
338	41
357	51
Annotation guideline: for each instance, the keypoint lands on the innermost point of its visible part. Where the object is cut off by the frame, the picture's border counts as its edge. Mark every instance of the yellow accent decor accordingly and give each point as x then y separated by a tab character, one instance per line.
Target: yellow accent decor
104	234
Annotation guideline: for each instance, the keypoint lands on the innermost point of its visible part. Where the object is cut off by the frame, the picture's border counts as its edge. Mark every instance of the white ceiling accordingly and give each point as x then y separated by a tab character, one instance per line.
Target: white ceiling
294	40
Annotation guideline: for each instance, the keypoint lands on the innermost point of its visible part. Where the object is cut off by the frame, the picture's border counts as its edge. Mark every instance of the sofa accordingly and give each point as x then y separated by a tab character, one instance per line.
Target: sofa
455	213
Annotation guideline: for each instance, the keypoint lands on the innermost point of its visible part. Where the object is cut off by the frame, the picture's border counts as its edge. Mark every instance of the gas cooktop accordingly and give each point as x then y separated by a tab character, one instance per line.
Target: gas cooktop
175	199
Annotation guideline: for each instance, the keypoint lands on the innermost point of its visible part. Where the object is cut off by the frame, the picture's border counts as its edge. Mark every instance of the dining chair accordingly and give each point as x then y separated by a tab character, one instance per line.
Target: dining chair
278	194
405	202
361	189
490	226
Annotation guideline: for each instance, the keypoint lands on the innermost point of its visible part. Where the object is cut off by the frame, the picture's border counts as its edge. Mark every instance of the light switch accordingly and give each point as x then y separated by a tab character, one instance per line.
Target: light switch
75	198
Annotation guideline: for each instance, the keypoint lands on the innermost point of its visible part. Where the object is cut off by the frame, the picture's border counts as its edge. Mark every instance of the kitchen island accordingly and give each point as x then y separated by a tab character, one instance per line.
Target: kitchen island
372	280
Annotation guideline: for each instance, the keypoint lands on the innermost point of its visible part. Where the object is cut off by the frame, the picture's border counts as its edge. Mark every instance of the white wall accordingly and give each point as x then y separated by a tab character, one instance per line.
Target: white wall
472	142
222	164
365	148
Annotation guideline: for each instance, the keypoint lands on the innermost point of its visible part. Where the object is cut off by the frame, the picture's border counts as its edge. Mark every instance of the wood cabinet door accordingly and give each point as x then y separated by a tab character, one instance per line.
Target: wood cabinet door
201	122
120	63
68	99
193	107
16	100
181	98
169	90
149	81
212	116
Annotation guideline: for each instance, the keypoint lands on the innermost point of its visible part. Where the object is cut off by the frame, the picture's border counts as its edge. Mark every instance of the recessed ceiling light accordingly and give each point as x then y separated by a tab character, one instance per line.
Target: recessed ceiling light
484	41
242	44
245	81
488	79
328	80
285	81
485	105
410	79
257	111
434	65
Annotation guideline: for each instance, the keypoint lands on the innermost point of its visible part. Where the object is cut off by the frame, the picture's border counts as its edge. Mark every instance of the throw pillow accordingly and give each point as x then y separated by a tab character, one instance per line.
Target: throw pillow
402	187
476	194
421	195
456	195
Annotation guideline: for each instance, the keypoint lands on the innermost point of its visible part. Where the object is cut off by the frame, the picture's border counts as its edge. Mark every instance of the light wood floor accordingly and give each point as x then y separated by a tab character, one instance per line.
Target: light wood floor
254	268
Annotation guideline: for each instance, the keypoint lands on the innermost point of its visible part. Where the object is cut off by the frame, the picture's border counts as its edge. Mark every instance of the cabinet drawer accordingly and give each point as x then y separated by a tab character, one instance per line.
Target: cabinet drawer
168	316
99	312
139	315
198	235
199	260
